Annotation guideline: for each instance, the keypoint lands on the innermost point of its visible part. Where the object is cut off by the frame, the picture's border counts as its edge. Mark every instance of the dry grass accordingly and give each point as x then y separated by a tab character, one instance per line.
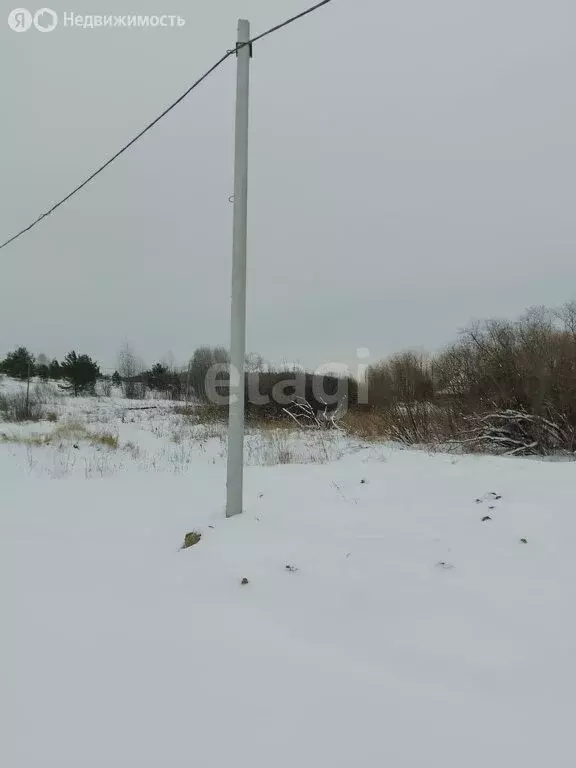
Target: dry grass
68	432
133	449
370	425
270	448
415	424
184	410
177	437
17	407
203	414
107	439
262	423
191	539
30	440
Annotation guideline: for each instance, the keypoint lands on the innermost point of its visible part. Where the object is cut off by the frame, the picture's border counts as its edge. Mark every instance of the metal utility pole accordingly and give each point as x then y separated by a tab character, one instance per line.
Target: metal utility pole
238	318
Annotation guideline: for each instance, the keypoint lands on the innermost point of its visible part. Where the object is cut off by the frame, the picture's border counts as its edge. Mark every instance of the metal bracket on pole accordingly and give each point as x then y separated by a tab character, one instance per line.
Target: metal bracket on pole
239	47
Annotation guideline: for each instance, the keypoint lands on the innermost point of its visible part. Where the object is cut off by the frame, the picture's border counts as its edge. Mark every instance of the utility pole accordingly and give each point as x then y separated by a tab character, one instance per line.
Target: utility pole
28	393
188	384
238	317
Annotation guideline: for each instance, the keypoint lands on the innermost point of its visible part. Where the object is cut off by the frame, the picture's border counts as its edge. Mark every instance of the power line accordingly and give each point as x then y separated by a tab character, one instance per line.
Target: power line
163	114
289	21
117	155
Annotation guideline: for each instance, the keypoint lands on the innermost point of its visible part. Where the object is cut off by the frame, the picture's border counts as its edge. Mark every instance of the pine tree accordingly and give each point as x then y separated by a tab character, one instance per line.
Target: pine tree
116	380
81	372
157	377
18	364
55	370
43	371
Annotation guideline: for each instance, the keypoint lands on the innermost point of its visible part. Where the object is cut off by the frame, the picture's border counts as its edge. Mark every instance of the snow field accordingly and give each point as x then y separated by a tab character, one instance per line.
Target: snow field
405	631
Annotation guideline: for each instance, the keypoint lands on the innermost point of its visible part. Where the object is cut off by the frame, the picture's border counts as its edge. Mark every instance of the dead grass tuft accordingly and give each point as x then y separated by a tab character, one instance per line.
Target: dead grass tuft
368	425
191	539
132	449
30	440
68	432
203	414
410	424
107	439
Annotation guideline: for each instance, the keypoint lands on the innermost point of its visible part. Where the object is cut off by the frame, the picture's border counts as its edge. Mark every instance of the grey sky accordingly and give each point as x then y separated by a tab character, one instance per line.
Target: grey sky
412	167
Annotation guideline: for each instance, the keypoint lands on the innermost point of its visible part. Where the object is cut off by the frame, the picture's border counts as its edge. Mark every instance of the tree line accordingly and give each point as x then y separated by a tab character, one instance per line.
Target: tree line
78	373
506	385
509	385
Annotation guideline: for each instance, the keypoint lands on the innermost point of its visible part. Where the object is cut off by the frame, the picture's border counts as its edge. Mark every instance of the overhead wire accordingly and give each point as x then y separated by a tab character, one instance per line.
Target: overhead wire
163	114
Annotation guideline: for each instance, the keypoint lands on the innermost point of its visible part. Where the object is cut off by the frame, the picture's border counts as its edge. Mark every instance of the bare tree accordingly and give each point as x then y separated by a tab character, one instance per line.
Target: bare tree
130	368
203	360
566	315
404	378
255	363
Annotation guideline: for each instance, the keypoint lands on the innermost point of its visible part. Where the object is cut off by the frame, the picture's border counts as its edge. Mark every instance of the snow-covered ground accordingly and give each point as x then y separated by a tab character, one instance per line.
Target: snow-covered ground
406	630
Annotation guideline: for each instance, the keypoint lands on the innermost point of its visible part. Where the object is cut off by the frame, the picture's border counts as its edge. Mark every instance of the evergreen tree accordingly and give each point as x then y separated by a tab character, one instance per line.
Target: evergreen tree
81	372
55	370
43	371
18	364
116	380
158	377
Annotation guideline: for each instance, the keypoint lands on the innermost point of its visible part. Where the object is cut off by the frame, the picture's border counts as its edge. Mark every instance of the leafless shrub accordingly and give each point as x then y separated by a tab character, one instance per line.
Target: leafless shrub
204	360
306	417
410	424
19	407
280	395
105	387
517	433
403	378
528	365
130	368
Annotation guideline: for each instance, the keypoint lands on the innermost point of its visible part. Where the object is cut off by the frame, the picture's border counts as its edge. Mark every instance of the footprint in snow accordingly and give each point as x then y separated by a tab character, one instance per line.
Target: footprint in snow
488	496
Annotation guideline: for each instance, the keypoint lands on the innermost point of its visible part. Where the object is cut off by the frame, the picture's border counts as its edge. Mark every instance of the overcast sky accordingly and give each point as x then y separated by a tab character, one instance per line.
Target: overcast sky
412	166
